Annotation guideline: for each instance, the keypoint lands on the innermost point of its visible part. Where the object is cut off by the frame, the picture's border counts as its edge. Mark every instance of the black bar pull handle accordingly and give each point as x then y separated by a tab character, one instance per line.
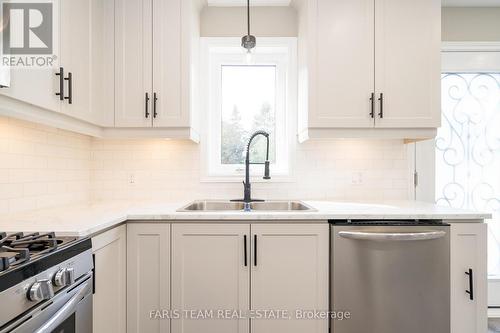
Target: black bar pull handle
381	100
147	106
372	102
255	250
61	84
470	273
245	250
155	98
70	88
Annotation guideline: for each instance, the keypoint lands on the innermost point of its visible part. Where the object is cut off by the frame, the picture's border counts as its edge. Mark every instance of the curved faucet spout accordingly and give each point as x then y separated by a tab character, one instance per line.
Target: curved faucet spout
246	184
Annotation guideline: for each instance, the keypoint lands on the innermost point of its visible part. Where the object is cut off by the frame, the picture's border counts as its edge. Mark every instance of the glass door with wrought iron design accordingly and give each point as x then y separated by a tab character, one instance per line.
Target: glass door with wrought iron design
467	147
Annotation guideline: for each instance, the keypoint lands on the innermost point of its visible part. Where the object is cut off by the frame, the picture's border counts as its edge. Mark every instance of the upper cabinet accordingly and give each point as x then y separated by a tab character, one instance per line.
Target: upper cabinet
79	83
369	64
155	59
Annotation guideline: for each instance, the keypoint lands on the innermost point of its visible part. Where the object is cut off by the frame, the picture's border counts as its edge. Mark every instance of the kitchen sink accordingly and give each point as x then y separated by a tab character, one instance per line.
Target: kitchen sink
224	206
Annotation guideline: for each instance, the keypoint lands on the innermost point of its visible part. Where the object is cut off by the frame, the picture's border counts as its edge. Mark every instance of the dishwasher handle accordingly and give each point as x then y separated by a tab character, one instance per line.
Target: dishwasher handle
392	236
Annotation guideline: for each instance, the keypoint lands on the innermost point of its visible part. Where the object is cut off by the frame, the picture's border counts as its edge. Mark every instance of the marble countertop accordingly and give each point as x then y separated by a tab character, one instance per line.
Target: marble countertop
89	219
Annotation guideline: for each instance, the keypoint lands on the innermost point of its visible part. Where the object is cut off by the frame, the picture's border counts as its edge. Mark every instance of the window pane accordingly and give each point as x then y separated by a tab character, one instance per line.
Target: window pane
248	104
468	150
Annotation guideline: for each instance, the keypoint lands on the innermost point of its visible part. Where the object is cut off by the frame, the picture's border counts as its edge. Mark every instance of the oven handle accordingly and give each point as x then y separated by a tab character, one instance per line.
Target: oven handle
60	316
392	236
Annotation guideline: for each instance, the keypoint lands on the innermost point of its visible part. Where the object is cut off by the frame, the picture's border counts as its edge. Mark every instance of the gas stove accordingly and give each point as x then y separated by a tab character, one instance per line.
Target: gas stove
47	281
18	248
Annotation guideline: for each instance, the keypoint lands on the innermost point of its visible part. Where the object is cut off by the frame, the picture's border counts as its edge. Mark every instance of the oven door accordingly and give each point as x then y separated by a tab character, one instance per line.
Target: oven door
70	311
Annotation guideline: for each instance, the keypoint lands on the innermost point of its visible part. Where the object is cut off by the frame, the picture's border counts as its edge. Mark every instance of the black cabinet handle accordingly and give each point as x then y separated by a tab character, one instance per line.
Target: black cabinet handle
70	88
245	249
381	100
470	273
155	98
255	250
147	105
61	84
93	274
372	101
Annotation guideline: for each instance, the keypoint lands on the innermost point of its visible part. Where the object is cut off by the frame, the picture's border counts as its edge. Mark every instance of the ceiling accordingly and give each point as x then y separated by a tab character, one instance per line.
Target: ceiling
237	3
470	3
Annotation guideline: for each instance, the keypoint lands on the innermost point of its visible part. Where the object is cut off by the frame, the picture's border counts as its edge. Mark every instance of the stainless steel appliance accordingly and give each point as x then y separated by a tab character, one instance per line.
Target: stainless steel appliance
391	276
46	283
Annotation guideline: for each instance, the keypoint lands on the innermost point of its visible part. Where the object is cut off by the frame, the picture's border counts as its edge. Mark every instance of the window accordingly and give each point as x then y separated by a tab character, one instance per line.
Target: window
245	95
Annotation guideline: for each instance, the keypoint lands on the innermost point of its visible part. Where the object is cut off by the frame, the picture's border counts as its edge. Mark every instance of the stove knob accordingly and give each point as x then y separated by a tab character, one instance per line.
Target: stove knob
41	290
64	277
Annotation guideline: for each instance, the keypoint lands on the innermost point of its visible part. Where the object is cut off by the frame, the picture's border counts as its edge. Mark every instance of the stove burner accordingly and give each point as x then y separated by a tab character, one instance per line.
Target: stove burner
17	248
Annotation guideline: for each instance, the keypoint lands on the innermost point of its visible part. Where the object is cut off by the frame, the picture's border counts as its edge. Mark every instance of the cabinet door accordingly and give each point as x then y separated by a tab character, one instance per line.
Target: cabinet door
38	86
148	277
102	66
408	62
109	301
209	273
167	63
343	63
290	272
133	60
468	252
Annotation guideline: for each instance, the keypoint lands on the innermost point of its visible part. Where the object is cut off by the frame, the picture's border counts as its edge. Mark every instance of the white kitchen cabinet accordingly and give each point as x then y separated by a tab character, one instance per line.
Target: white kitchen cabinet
37	86
155	57
468	254
344	67
109	301
209	273
290	272
133	61
148	277
408	63
366	66
83	42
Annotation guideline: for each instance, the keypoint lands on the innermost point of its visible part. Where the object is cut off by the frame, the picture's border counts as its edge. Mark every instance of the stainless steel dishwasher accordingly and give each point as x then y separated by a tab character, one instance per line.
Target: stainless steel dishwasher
391	276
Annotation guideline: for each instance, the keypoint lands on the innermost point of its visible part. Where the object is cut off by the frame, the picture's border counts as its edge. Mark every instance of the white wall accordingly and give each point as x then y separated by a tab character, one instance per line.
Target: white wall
170	170
232	22
471	24
41	166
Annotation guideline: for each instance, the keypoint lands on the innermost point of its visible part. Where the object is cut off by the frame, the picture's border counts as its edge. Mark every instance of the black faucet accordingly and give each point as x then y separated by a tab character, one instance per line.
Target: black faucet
247	198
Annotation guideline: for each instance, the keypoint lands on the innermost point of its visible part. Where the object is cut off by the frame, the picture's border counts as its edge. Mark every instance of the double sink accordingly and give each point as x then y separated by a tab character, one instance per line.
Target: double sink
228	206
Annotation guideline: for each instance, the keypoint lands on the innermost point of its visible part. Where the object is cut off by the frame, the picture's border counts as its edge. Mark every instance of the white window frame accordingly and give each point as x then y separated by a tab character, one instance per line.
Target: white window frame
219	51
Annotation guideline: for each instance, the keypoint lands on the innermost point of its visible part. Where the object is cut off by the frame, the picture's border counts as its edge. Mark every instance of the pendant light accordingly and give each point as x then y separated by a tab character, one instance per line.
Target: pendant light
248	42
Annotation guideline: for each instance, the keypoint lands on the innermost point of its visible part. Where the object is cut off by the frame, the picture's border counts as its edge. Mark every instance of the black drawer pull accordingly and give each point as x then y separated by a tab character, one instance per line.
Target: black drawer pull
470	273
255	250
147	105
381	100
155	98
70	88
372	102
61	84
245	249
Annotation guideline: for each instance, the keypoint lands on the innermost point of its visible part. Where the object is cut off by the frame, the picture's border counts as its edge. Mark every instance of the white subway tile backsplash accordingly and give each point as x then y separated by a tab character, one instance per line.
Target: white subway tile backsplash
42	167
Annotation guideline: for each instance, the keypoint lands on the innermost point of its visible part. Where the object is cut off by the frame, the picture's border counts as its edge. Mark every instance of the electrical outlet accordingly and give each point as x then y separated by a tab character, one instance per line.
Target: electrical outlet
357	178
131	179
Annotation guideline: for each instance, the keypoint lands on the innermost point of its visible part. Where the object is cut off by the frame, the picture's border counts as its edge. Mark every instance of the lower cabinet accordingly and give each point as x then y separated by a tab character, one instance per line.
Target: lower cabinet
290	272
238	272
469	305
148	277
109	301
210	272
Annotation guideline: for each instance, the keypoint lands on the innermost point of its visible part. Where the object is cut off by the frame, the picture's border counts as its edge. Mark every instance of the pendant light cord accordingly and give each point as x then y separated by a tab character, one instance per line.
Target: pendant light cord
248	17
